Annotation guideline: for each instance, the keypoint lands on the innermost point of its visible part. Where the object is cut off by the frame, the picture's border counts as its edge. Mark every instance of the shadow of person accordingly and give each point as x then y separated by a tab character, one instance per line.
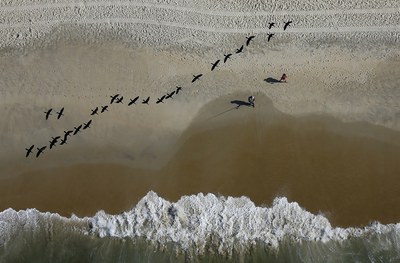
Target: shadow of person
271	80
240	103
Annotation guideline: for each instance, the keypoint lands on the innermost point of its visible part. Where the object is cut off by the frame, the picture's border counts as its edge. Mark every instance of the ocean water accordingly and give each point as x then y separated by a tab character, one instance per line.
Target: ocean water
196	228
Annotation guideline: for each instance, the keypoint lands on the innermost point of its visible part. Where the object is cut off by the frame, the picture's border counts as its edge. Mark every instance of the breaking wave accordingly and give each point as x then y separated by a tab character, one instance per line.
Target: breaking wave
198	224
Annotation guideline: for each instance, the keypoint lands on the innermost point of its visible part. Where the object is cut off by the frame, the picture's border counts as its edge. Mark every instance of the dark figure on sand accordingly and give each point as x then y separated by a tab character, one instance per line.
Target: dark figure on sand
61	113
287	24
249	40
29	150
252	100
283	78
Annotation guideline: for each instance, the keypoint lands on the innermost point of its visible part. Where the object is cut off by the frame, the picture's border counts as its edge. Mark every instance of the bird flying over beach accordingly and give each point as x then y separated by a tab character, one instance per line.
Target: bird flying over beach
95	111
226	57
133	101
270	36
119	100
40	150
60	113
239	50
67	133
249	40
29	150
178	89
104	108
77	129
169	95
196	77
146	101
48	113
271	25
287	24
87	125
214	65
160	99
113	98
53	142
64	141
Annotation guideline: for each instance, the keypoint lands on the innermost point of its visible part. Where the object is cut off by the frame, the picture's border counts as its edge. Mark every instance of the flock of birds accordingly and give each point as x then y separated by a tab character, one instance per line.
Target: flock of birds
118	99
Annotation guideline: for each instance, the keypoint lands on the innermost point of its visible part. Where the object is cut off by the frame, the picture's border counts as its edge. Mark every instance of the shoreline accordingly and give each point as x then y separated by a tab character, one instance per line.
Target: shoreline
217	159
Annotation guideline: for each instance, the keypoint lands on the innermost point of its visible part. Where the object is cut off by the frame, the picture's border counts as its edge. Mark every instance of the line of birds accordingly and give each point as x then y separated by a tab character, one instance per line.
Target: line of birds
59	113
118	99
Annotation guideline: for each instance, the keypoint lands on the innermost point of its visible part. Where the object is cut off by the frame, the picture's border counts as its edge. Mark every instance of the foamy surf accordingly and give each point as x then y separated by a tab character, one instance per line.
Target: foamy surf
198	224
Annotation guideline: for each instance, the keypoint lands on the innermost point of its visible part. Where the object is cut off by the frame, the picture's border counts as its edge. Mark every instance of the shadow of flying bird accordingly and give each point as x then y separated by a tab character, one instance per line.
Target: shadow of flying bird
60	113
287	24
160	99
271	25
94	111
29	150
214	65
77	129
146	101
48	113
270	36
40	150
196	77
104	108
119	100
113	98
133	101
178	89
249	39
239	50
169	95
87	125
226	57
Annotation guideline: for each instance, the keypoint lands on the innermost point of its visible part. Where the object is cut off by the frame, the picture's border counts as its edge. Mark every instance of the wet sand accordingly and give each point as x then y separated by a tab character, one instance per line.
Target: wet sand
348	171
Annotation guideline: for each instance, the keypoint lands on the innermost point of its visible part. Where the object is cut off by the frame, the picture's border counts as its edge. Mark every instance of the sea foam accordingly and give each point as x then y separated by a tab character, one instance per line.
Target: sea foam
197	224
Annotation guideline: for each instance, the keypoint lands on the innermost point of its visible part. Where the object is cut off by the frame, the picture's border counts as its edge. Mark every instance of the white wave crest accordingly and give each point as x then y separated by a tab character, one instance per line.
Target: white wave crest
14	223
201	222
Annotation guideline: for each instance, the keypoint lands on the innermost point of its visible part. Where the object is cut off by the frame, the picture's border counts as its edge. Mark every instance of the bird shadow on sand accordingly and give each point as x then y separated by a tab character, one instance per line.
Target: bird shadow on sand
271	80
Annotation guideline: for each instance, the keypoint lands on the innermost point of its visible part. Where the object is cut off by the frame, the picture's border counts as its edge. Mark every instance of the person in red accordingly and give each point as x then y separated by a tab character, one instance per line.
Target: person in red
283	78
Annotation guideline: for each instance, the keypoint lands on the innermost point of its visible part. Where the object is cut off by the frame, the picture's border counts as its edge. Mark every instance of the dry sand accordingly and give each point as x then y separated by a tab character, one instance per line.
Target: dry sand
342	60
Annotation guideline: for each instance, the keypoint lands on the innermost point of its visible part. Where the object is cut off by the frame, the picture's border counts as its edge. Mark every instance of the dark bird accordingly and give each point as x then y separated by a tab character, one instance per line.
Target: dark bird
40	150
226	57
249	40
239	50
67	133
53	141
104	108
60	113
77	129
87	125
196	77
160	99
178	89
287	24
214	65
146	101
94	111
48	113
119	100
133	101
271	25
270	36
113	98
64	141
29	150
169	95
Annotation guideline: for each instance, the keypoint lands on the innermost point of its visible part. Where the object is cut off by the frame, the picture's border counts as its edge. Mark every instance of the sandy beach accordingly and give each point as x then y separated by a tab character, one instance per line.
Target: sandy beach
329	138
